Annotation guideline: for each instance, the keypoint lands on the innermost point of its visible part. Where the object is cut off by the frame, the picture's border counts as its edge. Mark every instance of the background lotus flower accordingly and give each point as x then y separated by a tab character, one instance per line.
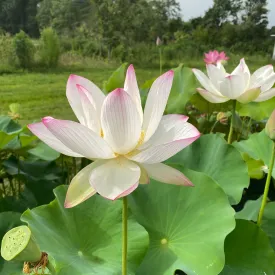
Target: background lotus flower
214	57
240	85
127	145
158	41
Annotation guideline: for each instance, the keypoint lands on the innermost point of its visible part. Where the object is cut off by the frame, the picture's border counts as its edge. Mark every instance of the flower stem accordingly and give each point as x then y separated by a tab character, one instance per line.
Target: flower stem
267	184
124	237
230	135
160	61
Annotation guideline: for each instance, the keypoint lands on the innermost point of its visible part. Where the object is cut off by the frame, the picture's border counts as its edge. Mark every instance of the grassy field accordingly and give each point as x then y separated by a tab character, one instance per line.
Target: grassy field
43	94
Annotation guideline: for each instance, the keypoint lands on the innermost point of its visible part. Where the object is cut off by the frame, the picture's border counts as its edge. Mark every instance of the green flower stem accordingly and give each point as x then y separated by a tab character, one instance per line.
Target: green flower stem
124	237
160	61
267	184
230	135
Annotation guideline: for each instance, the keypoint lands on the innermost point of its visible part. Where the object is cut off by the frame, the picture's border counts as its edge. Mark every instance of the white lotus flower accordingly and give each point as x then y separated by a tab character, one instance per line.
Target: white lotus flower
126	145
240	85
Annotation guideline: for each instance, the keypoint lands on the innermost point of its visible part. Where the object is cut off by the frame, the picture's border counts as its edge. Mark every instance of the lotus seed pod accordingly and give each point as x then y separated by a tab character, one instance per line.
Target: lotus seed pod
270	126
19	245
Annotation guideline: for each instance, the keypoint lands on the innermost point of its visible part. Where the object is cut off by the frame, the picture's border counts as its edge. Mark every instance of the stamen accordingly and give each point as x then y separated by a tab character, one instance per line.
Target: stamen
141	138
101	133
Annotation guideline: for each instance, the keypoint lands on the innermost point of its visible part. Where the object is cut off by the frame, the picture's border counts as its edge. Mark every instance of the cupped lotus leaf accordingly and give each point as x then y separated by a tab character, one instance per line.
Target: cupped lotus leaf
211	155
258	147
116	80
8	220
187	226
248	251
268	222
250	210
256	110
86	239
184	86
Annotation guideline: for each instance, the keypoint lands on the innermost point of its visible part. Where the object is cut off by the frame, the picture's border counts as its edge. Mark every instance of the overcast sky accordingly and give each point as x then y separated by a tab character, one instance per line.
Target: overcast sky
194	8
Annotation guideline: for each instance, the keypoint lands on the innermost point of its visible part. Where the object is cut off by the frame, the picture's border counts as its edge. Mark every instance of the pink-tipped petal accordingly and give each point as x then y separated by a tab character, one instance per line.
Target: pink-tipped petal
90	119
233	86
241	68
131	87
166	174
266	95
156	103
80	188
42	132
205	82
171	128
115	178
262	72
213	98
120	120
79	138
216	75
268	83
167	144
96	96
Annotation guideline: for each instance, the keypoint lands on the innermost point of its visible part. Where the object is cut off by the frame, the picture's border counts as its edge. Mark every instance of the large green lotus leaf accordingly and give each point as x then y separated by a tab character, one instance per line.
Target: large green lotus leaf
44	152
8	220
255	167
116	80
19	203
6	138
86	239
268	223
184	86
211	155
41	177
257	110
144	89
207	107
258	146
248	251
187	226
8	125
250	211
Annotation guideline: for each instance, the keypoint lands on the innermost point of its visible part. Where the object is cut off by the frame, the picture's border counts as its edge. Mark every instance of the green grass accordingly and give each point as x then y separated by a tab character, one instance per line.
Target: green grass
44	94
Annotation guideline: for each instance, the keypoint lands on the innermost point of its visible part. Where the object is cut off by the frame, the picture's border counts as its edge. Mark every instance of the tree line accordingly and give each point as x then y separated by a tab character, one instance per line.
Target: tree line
104	26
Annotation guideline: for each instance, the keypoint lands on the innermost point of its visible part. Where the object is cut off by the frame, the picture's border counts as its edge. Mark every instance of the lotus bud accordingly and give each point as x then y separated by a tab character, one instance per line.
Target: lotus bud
270	126
220	116
19	245
158	42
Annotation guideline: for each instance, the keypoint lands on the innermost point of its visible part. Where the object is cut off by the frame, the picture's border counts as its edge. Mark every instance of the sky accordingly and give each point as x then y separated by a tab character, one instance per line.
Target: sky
194	8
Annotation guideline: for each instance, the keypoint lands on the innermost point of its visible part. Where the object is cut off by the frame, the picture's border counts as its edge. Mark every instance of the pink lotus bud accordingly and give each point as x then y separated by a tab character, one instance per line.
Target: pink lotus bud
270	126
158	42
214	57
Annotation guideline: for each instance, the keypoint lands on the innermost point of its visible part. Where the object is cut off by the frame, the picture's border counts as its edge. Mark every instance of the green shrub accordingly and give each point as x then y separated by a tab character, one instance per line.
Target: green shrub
7	54
24	50
50	48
